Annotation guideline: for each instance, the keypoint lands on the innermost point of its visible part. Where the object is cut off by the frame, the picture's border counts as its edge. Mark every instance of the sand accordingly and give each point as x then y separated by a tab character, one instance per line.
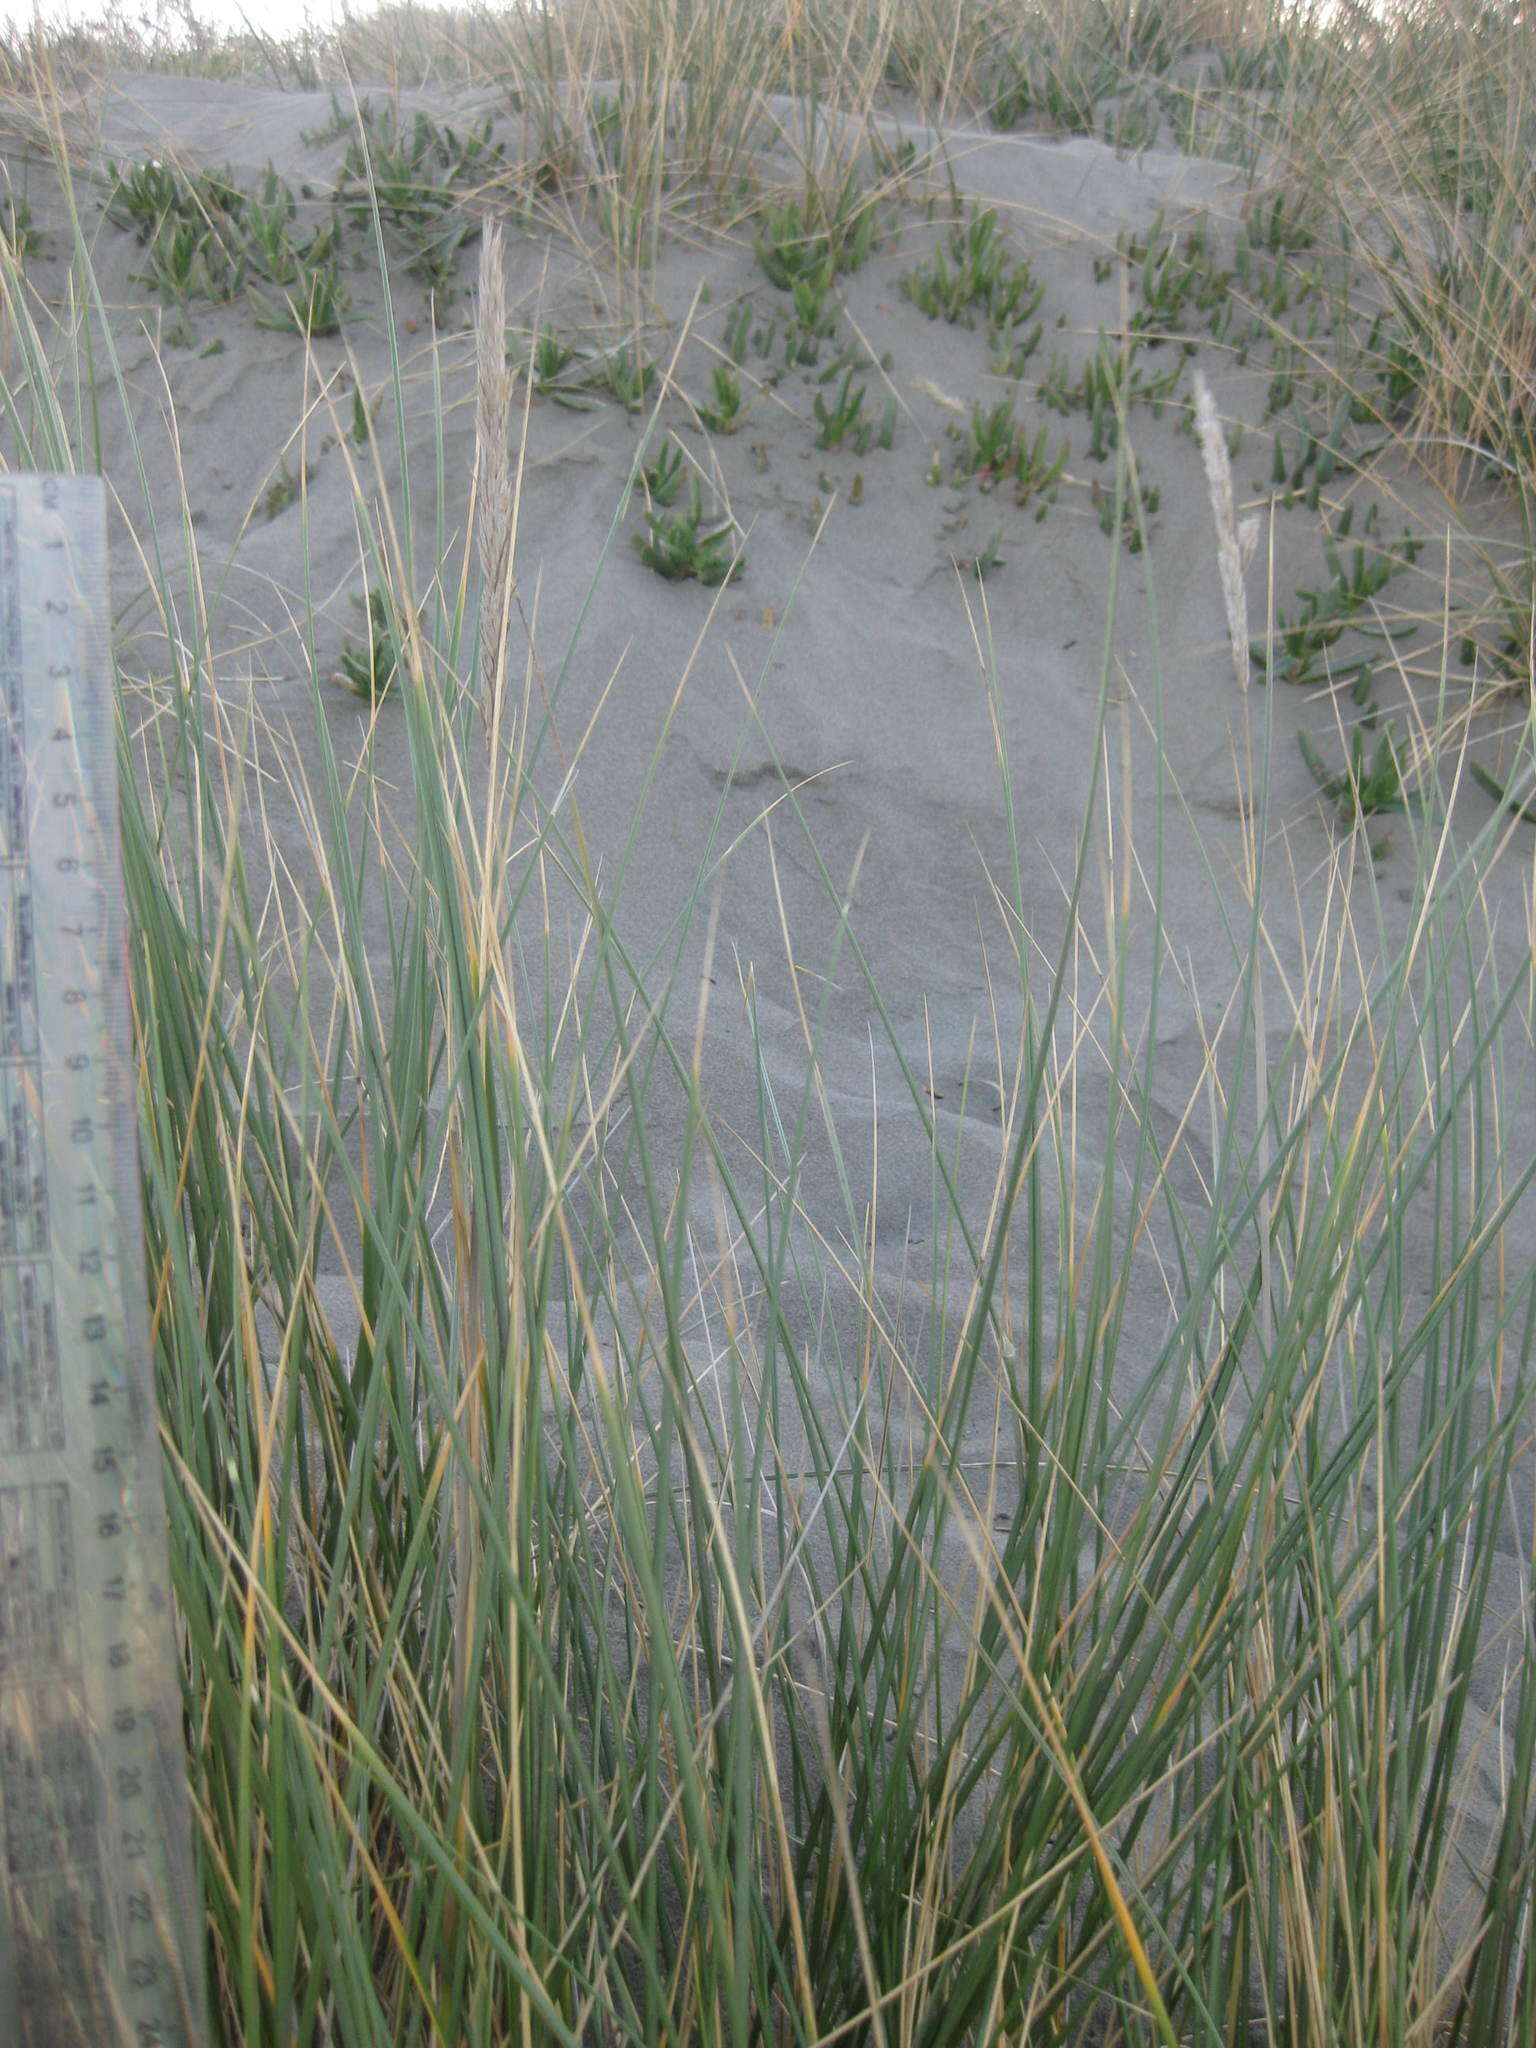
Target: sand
831	726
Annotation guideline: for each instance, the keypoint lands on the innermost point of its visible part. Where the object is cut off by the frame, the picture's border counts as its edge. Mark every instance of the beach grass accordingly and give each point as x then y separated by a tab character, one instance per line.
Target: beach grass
608	1615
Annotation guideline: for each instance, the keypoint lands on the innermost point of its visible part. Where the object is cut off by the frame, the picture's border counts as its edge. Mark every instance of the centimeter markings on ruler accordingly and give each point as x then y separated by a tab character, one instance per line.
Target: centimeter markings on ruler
100	1926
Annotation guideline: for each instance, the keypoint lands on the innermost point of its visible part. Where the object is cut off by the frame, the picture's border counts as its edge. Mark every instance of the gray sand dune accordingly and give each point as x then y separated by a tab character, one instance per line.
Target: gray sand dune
835	717
831	722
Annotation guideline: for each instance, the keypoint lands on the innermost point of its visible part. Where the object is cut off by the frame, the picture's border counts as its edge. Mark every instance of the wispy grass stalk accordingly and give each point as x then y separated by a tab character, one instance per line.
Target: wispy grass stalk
1186	1669
490	1622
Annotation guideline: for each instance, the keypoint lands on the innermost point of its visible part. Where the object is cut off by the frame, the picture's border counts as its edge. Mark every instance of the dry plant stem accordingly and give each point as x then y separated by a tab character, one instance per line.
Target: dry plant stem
476	863
495	495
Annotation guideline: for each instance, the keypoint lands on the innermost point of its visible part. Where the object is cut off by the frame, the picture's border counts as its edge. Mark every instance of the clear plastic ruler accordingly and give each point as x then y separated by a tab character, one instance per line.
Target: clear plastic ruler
100	1924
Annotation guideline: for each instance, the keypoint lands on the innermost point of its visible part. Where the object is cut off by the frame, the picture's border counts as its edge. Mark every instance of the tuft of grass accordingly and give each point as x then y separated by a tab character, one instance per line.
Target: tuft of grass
662	479
283	490
839	415
1109	383
144	195
816	312
371	667
831	230
315	303
974	276
995	451
547	362
579	372
1058	88
726	408
1125	516
186	261
1299	645
627	374
1370	782
267	221
690	544
18	229
982	564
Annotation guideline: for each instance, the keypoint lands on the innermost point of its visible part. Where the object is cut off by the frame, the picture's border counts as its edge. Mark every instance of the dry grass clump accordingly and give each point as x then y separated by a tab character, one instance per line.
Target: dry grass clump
1422	147
599	1623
